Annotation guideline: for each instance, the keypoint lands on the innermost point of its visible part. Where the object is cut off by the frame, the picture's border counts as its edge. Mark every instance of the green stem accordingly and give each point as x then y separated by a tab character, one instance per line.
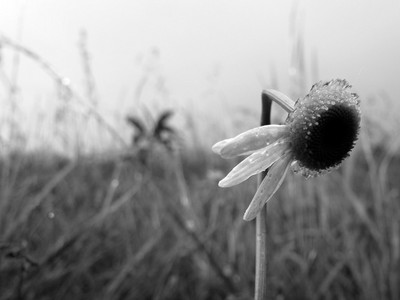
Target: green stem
261	219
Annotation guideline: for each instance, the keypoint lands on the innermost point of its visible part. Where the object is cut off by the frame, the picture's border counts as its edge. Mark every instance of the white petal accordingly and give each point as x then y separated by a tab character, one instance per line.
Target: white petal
250	141
256	163
268	187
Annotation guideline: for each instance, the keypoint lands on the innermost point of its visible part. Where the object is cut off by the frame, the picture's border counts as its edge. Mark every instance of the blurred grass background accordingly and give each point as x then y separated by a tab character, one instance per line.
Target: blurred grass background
142	222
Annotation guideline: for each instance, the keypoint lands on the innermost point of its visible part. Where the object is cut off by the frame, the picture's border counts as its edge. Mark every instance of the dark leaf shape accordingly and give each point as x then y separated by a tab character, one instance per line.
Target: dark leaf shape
137	124
161	124
168	130
141	129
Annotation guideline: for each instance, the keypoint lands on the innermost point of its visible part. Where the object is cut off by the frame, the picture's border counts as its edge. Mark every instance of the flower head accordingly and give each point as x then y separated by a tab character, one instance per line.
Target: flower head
319	133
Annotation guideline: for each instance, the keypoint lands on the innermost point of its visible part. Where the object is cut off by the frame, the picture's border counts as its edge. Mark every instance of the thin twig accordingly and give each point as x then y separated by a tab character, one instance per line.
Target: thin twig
261	219
91	91
176	217
65	84
38	199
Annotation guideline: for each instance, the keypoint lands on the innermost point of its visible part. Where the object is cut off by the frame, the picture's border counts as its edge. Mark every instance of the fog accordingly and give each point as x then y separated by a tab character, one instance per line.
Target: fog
203	56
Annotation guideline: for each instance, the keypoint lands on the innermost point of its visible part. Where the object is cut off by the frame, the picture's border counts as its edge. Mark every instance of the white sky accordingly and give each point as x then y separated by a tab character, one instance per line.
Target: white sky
206	52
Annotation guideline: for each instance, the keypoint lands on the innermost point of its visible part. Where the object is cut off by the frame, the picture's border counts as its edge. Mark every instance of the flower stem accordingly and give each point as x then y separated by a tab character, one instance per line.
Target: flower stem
284	101
261	219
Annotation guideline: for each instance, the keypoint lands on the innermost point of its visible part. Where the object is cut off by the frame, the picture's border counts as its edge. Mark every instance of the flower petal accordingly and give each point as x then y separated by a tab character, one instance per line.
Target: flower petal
256	163
250	141
268	187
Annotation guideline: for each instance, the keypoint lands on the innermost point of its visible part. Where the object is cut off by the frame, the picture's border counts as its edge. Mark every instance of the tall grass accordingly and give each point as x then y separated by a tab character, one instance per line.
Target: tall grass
97	228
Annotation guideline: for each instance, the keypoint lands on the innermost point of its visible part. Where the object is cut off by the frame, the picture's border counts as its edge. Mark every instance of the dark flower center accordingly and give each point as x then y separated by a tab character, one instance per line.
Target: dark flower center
328	140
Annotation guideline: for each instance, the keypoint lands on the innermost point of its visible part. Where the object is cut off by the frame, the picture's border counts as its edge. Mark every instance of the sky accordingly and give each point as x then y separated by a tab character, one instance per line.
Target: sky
205	56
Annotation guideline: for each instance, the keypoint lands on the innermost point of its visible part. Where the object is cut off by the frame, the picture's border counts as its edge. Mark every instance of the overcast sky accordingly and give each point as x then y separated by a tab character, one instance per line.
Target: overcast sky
200	52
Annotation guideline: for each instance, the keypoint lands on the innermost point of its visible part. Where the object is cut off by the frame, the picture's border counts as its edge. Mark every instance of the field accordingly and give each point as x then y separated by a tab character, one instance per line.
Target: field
151	223
113	227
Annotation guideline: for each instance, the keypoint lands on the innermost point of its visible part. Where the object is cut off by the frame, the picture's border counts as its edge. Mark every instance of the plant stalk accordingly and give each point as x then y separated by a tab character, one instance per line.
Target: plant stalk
261	219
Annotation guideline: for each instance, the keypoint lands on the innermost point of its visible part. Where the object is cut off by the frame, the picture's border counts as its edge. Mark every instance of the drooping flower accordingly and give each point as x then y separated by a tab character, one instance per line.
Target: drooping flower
320	131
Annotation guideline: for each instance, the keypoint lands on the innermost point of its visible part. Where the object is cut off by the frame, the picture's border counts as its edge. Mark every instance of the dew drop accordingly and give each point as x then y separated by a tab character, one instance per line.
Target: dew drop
115	183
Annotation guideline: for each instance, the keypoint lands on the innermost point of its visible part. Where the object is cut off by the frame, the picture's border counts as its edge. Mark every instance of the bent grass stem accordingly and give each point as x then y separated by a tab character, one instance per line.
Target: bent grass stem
261	219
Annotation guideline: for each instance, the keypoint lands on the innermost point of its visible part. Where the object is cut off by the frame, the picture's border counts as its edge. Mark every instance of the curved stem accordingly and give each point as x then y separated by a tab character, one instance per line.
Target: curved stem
261	219
280	98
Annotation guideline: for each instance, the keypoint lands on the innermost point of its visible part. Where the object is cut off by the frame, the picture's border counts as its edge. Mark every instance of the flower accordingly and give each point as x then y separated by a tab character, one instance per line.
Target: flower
320	131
